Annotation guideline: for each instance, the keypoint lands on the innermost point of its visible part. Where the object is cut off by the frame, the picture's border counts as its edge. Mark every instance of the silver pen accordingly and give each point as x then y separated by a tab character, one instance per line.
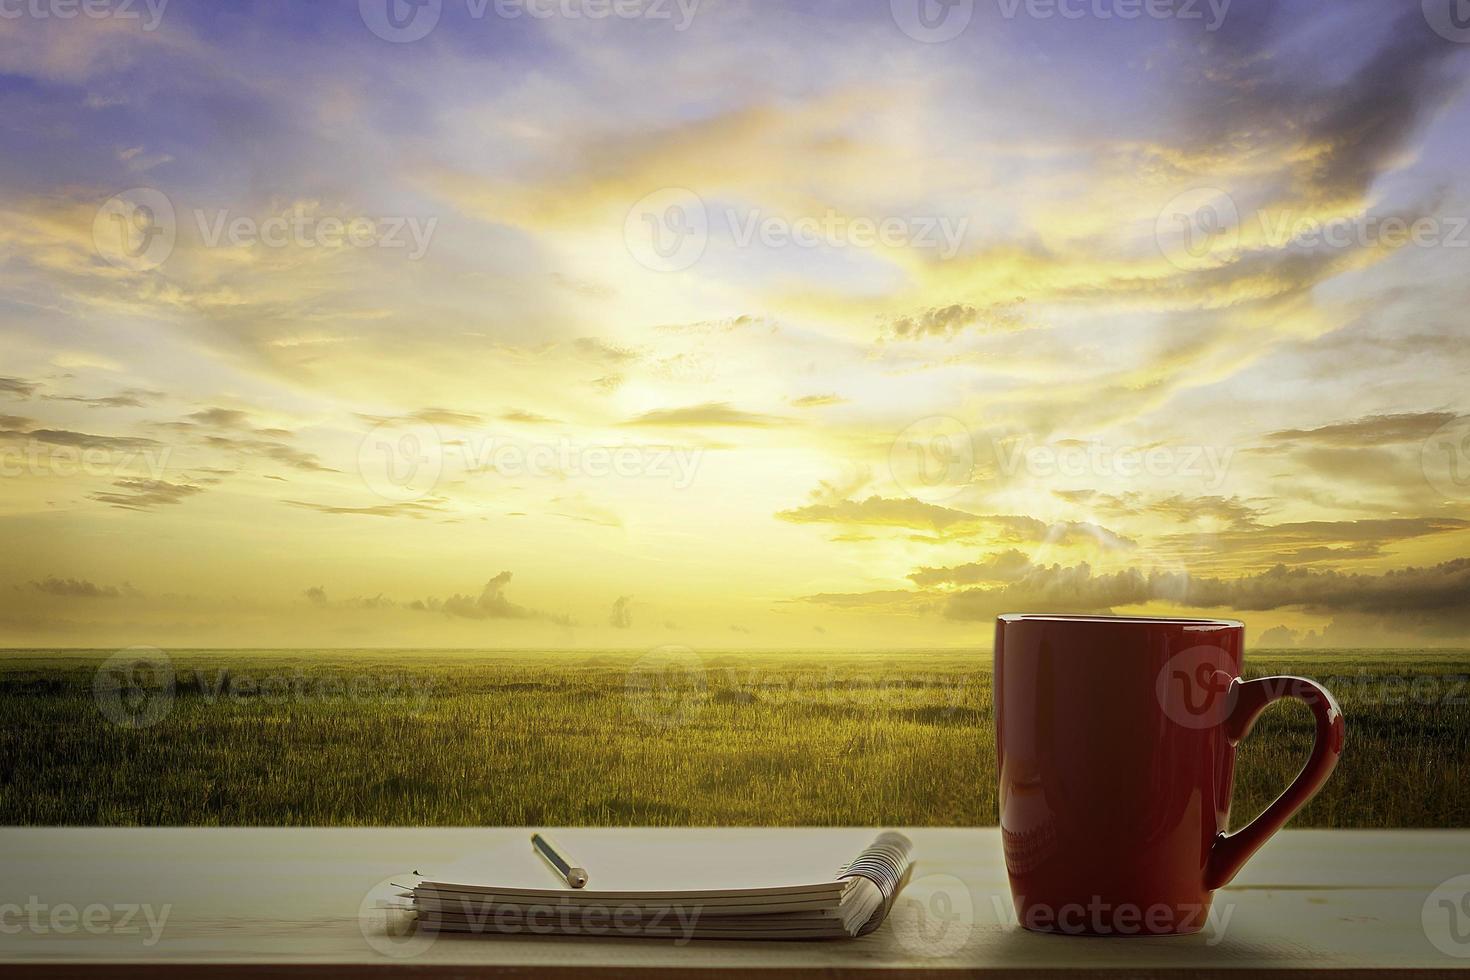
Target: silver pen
574	876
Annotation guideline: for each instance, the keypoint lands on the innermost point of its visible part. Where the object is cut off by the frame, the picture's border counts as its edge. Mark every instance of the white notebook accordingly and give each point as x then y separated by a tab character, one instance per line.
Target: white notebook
679	889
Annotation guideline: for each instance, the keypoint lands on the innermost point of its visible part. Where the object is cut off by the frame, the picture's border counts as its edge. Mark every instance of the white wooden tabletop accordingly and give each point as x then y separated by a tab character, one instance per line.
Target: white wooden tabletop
288	902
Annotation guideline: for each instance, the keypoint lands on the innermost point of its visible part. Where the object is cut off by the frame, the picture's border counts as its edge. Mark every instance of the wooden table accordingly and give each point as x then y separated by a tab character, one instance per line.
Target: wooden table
286	902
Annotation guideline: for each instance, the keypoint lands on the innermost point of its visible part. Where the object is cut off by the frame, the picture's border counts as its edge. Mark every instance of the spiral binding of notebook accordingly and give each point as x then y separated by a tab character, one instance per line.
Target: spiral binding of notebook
887	863
852	902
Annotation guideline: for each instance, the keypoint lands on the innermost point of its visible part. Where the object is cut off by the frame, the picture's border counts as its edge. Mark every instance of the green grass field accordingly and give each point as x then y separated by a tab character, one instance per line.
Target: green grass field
375	737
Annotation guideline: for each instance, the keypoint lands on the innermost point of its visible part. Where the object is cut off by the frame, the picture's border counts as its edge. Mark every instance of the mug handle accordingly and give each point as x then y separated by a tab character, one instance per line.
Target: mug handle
1247	699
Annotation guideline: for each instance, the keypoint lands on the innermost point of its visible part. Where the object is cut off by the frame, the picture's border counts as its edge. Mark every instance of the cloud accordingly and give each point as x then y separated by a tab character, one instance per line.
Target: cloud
146	494
271	449
1007	566
877	511
85	440
235	431
317	596
1431	600
1370	430
1298	542
416	509
491	603
428	416
886	600
601	350
947	322
950	524
17	387
608	383
580	507
223	418
15	425
818	401
74	588
527	418
128	398
1279	636
711	414
621	616
1177	508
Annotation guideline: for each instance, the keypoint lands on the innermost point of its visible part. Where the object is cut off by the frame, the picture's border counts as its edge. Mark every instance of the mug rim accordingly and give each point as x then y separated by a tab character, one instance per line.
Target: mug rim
1119	620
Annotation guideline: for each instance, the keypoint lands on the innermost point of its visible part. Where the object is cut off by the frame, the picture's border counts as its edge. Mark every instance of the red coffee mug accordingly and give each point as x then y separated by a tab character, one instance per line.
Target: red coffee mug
1116	741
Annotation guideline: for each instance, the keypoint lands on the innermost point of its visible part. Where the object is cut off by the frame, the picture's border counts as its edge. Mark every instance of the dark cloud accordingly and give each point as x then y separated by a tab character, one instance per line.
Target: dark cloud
1178	508
621	616
85	440
76	588
1371	430
1432	600
222	418
491	603
317	596
271	449
949	321
146	494
234	430
17	387
128	398
15	424
1336	133
1440	590
1003	567
713	414
1299	541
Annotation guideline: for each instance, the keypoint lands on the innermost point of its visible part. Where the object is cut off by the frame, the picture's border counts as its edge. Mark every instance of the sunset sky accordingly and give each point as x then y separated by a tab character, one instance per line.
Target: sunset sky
730	324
